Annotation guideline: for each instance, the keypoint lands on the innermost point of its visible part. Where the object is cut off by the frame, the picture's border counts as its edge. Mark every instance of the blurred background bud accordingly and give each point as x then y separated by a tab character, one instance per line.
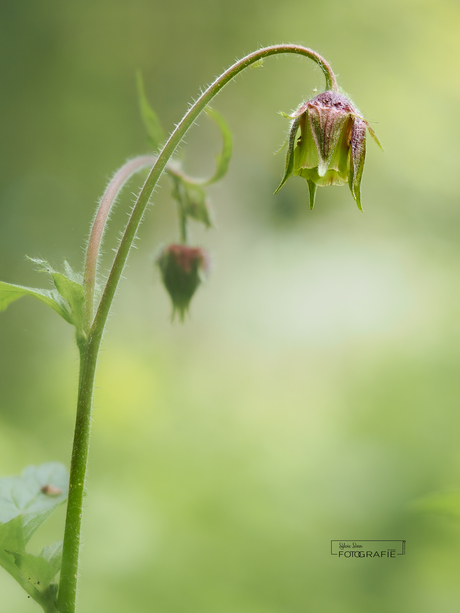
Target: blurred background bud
182	270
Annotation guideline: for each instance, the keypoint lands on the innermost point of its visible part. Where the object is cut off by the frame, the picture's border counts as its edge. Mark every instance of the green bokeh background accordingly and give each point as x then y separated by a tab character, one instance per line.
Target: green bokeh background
314	392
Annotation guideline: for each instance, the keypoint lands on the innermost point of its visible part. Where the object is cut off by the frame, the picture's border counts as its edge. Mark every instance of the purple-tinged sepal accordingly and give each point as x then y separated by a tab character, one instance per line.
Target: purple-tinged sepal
327	144
289	166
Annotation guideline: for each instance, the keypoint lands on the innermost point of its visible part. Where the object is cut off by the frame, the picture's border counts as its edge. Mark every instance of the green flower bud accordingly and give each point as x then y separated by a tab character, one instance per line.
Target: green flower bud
182	270
331	147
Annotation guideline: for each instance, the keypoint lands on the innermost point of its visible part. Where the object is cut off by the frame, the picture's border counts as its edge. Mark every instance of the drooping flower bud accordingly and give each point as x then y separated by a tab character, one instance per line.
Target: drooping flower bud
182	270
331	147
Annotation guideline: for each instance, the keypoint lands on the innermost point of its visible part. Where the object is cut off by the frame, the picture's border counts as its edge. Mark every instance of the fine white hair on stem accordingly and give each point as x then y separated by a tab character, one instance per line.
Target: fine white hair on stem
99	224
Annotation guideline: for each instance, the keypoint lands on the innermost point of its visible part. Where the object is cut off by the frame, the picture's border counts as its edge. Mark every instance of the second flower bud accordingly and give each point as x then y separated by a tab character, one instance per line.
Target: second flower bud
182	270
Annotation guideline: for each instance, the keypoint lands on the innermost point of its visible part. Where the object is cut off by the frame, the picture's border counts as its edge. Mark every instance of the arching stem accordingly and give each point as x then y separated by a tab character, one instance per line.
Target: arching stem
106	204
89	347
168	150
100	223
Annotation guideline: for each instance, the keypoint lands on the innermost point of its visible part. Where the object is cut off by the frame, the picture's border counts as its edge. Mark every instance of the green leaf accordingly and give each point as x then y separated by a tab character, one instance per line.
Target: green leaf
68	299
53	555
222	158
152	124
11	537
22	497
25	503
9	293
69	286
73	276
74	294
196	206
191	199
41	569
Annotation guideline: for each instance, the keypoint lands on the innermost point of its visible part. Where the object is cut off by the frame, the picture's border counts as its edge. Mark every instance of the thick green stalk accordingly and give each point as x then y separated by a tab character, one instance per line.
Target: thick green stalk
89	348
71	547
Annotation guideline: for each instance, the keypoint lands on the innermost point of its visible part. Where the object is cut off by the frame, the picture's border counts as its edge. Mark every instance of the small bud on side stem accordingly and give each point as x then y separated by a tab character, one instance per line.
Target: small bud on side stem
182	270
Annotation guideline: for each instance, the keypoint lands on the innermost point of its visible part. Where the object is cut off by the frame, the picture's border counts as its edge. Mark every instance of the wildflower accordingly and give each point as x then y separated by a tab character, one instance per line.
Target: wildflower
332	144
182	269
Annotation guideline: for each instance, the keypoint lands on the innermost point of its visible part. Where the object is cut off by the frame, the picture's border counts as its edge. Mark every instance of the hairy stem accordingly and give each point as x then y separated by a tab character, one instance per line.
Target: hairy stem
168	150
106	204
71	546
100	222
89	347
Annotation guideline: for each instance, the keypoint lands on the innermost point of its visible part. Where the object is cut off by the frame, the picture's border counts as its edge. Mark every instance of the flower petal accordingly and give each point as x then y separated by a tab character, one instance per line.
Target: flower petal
327	124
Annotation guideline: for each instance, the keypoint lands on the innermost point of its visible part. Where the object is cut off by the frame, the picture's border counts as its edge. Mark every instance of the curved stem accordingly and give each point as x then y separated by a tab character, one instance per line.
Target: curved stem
99	224
89	347
168	150
102	216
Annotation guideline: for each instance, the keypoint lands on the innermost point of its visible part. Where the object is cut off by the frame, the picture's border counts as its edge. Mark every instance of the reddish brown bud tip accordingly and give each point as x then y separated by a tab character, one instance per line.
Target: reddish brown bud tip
182	269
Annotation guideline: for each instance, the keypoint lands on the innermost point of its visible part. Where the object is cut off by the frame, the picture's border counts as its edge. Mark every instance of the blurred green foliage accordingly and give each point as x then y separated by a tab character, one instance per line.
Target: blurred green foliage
314	393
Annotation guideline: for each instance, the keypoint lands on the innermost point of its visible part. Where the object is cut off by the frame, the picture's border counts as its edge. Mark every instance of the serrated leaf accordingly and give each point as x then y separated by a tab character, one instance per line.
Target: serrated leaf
22	497
34	574
73	276
25	503
41	569
37	570
10	292
74	294
152	124
69	286
222	158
